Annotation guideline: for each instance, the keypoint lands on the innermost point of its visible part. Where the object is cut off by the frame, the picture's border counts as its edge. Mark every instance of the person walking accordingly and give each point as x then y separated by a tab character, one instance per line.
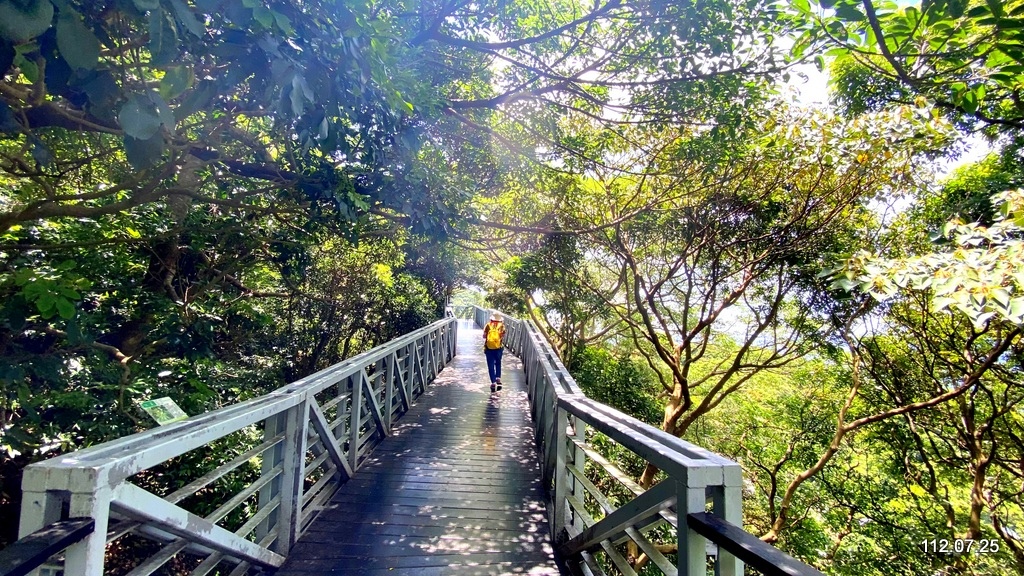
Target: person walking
494	340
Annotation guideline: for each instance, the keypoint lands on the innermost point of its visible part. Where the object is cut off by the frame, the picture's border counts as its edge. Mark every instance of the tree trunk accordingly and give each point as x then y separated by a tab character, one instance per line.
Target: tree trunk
674	408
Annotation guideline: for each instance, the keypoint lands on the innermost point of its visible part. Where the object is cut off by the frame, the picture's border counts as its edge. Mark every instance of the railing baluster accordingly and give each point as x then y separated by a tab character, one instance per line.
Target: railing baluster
389	389
39	508
85	558
579	460
272	426
692	548
725	505
558	489
293	479
354	422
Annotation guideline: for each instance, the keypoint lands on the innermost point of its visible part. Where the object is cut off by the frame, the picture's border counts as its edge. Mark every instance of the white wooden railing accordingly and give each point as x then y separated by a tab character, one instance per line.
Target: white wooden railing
601	519
282	456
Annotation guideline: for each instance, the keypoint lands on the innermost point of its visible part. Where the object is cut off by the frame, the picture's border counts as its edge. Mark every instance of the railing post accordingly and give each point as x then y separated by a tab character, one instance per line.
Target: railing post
293	467
579	460
354	421
86	558
389	388
558	489
431	359
408	370
453	339
727	504
692	557
272	426
39	508
550	427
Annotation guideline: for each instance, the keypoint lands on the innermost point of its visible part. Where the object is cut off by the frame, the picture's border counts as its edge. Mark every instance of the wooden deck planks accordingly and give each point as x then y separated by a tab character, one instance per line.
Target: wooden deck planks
454	491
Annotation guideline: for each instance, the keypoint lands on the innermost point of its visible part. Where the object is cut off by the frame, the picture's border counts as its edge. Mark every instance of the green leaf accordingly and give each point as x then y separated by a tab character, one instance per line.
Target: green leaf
297	101
264	16
138	118
45	304
176	80
195	100
284	23
143	114
27	67
187	18
978	11
970	102
24	19
143	153
801	44
850	13
163	38
76	42
1017	307
65	308
102	91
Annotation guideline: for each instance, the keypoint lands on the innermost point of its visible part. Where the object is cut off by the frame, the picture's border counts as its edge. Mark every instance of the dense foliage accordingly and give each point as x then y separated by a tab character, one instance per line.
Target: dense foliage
205	199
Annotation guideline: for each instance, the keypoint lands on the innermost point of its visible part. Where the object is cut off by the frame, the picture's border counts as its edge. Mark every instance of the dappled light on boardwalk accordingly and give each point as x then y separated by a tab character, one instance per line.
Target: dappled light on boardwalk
455	490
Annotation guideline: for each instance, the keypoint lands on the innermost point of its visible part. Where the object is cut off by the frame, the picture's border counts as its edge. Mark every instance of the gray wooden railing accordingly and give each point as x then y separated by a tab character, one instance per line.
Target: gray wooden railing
296	443
31	552
600	517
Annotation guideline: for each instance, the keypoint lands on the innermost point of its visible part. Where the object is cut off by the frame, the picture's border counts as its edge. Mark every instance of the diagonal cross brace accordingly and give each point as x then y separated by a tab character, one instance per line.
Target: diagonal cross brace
376	411
150	508
650	502
400	384
327	439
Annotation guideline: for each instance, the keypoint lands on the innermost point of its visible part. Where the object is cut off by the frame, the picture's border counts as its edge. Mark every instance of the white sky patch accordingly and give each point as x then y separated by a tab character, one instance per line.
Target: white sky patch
808	85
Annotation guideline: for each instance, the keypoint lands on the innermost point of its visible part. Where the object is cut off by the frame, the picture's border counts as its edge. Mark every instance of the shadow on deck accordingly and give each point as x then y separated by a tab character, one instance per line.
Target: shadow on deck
455	490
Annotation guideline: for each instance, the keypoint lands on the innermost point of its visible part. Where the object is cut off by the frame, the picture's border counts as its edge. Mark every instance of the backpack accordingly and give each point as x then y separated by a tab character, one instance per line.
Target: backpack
494	332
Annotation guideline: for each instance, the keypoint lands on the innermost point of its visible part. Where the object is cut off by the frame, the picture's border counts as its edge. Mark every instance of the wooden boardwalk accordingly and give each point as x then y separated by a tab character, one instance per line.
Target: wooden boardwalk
455	490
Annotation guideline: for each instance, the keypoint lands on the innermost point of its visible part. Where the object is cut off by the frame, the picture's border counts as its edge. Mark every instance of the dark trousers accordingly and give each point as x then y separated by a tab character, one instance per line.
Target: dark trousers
493	363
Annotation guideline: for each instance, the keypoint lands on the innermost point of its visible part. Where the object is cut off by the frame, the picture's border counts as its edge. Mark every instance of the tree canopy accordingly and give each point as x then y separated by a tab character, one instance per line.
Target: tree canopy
208	198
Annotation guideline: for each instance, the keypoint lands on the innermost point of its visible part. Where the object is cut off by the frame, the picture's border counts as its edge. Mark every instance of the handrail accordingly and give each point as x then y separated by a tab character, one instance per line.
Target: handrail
591	525
294	445
769	560
32	551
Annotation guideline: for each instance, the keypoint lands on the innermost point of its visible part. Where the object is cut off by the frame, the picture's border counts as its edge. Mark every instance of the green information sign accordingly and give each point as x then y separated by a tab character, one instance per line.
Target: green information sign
164	411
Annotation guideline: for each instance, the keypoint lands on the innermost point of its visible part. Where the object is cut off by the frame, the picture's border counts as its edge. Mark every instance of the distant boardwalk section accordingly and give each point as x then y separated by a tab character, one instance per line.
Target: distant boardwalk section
456	489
